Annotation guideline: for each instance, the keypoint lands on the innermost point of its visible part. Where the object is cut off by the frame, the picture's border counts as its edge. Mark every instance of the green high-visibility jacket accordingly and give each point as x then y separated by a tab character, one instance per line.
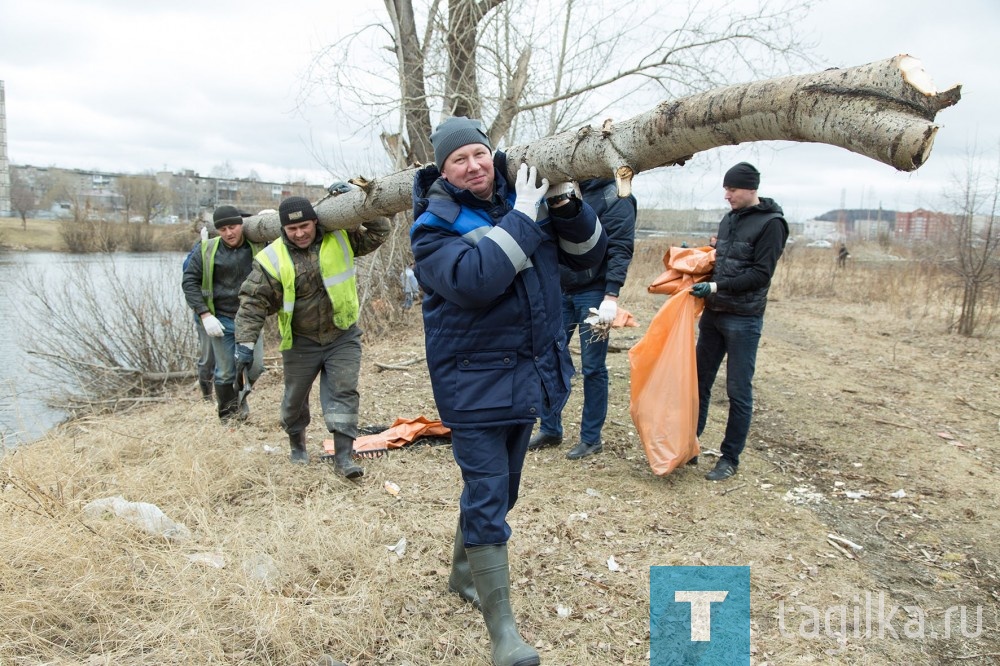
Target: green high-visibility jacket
336	265
208	249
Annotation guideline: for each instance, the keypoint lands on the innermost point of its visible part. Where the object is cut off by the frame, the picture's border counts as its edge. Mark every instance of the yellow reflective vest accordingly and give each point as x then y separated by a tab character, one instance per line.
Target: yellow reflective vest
336	265
208	249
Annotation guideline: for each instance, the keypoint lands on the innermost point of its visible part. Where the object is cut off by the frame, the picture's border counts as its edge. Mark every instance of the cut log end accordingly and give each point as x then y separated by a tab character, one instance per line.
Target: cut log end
915	74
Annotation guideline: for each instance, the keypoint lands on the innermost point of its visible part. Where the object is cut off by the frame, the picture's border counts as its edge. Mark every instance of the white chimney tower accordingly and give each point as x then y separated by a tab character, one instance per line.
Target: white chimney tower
4	164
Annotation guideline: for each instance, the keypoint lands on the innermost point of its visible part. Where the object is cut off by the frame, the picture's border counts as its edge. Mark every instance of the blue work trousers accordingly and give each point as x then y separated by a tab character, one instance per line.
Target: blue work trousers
491	460
593	367
735	337
224	350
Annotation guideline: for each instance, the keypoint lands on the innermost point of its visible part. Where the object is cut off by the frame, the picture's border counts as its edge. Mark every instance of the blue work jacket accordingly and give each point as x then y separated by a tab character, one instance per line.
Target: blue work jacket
493	330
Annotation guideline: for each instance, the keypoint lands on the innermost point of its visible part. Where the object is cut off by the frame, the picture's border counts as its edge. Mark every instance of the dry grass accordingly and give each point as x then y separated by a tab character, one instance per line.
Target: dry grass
306	570
38	235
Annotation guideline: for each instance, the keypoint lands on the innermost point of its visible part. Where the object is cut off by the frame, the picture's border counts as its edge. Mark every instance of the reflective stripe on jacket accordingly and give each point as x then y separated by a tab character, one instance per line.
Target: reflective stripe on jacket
492	311
336	263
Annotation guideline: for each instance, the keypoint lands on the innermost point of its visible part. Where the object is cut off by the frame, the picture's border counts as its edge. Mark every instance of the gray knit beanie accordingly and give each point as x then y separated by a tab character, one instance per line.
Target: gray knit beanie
454	133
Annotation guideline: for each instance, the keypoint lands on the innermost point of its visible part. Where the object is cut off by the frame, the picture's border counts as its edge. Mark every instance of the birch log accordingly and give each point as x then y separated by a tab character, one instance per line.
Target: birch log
884	110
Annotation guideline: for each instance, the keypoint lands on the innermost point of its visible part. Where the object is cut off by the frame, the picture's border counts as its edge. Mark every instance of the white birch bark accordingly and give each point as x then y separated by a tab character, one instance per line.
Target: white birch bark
884	110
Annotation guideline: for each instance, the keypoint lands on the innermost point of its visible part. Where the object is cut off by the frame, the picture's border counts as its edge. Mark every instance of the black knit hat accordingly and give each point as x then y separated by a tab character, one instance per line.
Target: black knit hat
743	176
226	215
294	210
454	133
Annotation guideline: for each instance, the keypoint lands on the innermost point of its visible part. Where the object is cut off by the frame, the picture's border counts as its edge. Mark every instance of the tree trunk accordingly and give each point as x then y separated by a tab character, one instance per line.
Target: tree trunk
410	56
461	95
883	110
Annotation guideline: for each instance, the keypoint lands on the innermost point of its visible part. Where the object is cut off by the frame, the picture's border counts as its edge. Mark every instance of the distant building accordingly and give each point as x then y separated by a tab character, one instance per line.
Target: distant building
922	225
98	194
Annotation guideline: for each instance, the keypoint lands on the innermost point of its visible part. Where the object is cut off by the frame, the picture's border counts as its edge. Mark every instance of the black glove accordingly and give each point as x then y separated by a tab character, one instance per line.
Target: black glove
564	200
244	359
703	289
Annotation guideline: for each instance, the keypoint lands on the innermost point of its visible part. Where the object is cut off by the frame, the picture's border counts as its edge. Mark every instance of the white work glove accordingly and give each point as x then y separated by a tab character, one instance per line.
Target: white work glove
204	233
529	196
212	326
606	313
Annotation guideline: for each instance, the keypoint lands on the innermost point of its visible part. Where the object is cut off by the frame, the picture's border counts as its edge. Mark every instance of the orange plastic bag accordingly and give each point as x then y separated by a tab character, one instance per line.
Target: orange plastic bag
664	390
401	433
684	266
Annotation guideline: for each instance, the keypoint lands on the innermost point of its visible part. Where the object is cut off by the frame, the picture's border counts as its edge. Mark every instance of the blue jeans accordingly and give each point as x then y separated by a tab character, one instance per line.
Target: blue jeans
593	355
736	337
491	460
206	356
224	349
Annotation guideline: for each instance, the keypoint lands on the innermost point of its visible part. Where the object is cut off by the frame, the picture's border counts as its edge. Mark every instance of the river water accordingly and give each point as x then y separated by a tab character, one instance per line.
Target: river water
26	381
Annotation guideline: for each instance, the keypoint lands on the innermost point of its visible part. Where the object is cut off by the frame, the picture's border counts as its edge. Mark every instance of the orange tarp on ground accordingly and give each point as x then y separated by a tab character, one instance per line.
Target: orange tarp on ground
664	385
401	433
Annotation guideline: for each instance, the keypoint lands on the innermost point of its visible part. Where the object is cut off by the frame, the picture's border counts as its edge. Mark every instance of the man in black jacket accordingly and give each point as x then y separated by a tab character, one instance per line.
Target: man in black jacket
593	289
211	284
751	238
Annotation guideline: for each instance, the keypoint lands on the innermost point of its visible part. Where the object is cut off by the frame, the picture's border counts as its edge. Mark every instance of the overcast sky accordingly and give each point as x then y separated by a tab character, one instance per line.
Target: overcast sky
118	85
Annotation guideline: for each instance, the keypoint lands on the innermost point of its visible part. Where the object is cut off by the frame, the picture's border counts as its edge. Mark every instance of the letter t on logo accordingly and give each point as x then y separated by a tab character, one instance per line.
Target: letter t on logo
701	610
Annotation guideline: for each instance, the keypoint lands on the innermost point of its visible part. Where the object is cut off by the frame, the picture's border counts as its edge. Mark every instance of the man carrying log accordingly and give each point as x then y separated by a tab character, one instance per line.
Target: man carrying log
307	277
487	255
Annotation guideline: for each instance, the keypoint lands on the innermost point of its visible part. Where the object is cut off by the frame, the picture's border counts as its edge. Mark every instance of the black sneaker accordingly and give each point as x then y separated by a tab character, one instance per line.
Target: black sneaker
543	440
723	470
693	462
583	449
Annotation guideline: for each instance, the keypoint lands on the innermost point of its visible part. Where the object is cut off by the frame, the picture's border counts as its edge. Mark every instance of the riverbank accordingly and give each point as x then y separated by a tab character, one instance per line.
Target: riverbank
870	424
47	235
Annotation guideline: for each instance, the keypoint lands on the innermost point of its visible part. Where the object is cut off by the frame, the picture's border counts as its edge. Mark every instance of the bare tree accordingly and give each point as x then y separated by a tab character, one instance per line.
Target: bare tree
224	171
972	241
533	69
22	198
143	195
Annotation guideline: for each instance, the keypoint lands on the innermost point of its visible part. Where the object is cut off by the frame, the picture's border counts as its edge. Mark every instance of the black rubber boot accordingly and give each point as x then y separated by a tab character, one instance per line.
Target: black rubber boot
206	390
225	395
343	461
297	442
491	573
461	582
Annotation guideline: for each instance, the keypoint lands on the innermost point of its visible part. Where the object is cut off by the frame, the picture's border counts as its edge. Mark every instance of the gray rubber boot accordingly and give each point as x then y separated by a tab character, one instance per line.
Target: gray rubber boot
298	446
343	461
460	582
491	573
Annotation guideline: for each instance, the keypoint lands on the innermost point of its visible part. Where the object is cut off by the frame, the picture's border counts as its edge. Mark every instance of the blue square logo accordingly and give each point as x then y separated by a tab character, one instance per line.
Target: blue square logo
699	615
